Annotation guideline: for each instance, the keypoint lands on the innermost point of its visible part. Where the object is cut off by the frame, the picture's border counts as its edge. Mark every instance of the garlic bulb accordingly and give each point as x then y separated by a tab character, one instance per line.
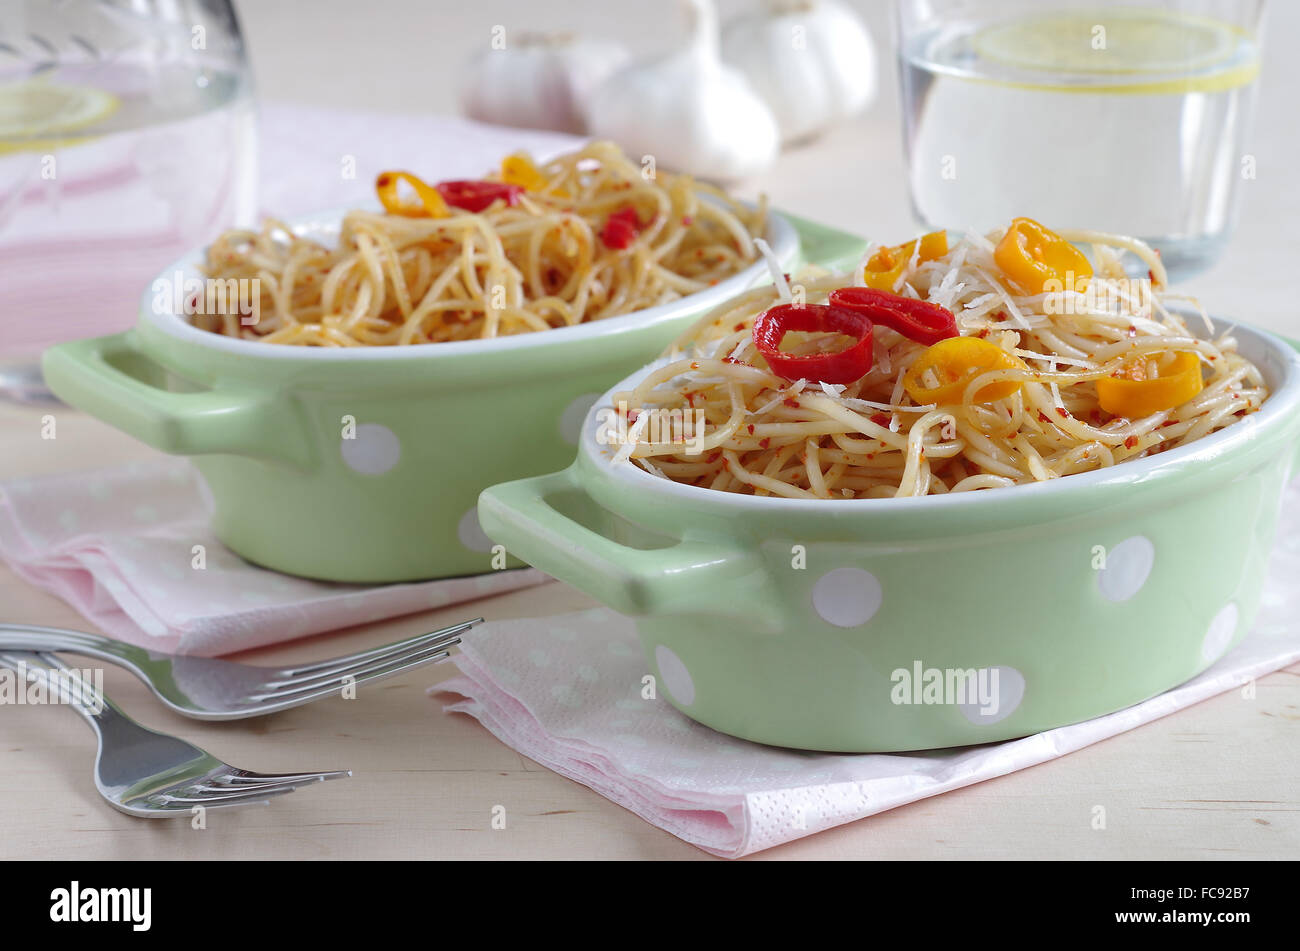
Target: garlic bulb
688	110
811	61
538	81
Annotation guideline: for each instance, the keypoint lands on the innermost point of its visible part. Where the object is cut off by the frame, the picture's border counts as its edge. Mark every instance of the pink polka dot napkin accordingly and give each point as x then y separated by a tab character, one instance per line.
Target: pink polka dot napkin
566	691
119	546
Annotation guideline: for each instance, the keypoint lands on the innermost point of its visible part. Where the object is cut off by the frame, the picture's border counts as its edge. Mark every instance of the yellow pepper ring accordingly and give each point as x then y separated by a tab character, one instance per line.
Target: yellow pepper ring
431	203
886	266
884	269
519	169
955	362
1032	255
933	245
1133	395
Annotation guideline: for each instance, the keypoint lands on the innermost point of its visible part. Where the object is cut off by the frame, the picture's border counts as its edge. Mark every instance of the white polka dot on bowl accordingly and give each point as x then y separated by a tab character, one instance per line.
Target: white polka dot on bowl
1220	633
676	678
1006	689
847	597
372	450
1128	565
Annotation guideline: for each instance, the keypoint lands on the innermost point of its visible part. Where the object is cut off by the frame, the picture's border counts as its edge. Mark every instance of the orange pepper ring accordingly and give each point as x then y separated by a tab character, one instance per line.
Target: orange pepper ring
520	169
885	266
959	362
1135	399
431	203
1032	255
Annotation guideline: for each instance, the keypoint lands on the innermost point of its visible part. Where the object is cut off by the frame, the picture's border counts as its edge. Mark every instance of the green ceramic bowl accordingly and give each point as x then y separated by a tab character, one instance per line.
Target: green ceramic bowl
364	464
911	624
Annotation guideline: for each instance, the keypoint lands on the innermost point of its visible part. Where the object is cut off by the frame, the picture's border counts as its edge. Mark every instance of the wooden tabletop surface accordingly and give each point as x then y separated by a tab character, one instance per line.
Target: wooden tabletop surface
1215	780
1218	780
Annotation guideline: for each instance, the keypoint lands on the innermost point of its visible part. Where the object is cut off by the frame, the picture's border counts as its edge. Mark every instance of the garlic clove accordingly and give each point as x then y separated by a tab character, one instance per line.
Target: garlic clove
538	81
689	110
811	61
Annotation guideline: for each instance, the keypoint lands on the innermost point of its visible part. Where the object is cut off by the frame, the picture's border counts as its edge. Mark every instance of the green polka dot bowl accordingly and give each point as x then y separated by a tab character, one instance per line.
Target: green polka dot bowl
364	464
909	624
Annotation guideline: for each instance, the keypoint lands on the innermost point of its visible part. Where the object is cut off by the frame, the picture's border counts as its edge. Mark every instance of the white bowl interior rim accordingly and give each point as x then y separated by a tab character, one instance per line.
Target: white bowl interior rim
1278	361
780	234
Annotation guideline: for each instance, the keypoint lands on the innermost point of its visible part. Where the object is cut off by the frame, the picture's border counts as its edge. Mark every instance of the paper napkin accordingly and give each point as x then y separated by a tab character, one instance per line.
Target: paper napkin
565	691
119	545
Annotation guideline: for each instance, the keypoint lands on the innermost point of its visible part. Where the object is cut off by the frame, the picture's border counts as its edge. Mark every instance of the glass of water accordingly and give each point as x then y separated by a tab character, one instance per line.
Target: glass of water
126	138
1127	117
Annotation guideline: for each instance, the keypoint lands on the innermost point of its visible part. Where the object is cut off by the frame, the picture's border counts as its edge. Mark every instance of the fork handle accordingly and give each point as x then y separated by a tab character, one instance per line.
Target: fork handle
67	682
31	638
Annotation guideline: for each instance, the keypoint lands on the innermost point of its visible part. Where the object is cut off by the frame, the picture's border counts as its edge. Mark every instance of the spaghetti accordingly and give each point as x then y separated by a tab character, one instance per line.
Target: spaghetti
1036	411
584	237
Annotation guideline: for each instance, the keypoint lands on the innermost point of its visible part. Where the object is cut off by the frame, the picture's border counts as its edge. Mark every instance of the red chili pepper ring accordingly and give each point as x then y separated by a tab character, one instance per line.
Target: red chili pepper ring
843	367
477	196
915	319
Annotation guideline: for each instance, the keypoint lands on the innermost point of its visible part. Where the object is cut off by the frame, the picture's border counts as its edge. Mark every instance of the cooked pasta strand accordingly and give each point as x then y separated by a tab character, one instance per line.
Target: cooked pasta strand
766	435
541	263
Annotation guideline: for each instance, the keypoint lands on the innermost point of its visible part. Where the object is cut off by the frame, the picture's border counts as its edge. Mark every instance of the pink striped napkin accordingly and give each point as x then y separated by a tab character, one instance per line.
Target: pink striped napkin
566	692
119	545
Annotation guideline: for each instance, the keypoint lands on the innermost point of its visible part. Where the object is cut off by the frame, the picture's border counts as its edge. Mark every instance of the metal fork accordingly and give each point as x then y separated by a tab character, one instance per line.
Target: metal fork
209	689
149	774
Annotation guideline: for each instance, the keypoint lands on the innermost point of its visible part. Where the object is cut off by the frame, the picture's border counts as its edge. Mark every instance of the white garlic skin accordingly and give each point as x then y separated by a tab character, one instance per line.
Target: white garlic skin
538	82
811	61
689	111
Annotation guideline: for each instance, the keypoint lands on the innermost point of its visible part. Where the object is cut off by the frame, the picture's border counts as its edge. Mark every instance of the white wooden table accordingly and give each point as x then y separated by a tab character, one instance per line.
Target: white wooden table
1216	780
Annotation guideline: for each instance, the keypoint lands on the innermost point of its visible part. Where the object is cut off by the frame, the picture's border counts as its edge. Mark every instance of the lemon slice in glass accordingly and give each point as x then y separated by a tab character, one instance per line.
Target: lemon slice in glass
37	115
1123	50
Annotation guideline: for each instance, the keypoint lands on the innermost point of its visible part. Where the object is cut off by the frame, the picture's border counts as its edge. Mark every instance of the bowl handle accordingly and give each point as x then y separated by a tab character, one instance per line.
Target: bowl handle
95	375
685	577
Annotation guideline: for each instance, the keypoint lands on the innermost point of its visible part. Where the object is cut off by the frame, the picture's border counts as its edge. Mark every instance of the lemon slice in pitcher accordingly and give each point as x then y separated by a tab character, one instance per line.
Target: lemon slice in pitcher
1123	50
38	116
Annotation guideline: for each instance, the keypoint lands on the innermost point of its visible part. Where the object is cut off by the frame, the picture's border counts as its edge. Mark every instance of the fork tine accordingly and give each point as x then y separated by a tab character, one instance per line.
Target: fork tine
296	698
230	787
249	789
187	808
338	673
376	652
435	641
255	796
165	810
426	655
244	778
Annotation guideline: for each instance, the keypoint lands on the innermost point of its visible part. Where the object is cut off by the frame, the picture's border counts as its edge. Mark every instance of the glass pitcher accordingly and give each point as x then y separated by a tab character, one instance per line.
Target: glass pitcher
127	137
